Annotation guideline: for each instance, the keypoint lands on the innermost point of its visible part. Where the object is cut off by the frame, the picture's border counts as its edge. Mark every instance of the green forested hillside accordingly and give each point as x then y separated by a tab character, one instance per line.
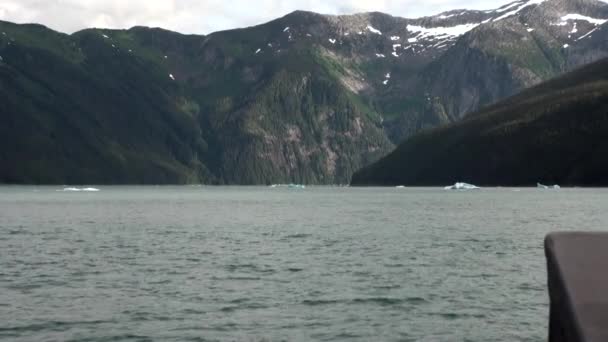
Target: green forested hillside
554	133
306	98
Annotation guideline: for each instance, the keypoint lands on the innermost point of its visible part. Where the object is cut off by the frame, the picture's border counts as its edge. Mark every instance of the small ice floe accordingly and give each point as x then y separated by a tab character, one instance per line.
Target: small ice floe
308	35
395	54
73	189
400	187
394	38
530	29
105	36
380	55
296	186
385	82
412	40
333	41
395	46
462	186
347	33
286	29
542	186
165	57
371	29
171	77
257	51
360	33
566	46
388	75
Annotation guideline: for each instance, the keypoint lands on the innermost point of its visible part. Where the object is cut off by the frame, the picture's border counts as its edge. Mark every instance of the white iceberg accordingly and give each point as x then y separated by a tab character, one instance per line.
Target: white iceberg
296	186
72	189
462	186
542	186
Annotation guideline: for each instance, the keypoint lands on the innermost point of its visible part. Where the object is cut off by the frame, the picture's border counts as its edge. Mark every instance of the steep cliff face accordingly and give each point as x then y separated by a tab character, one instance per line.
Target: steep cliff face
306	98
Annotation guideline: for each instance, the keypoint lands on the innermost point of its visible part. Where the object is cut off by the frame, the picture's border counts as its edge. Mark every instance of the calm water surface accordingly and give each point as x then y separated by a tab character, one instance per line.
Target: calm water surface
262	264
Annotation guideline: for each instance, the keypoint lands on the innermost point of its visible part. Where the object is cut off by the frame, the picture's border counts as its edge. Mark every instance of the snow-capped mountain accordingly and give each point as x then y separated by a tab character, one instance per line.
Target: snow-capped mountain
306	98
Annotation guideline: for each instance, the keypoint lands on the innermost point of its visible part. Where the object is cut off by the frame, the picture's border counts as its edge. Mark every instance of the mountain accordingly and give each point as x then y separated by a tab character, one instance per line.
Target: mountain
306	98
553	133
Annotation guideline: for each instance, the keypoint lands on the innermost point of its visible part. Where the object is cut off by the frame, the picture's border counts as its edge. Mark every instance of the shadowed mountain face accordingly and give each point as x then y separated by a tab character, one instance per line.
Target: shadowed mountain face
554	133
307	98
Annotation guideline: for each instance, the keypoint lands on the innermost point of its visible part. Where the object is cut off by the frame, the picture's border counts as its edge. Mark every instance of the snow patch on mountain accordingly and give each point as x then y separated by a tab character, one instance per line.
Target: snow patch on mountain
373	30
440	32
590	20
517	10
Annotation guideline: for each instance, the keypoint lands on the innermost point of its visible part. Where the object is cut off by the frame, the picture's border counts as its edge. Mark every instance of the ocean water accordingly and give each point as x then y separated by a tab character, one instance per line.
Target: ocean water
277	264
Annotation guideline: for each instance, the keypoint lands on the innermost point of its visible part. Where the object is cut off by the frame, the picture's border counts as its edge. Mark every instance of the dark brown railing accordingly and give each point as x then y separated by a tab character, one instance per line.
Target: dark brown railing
577	265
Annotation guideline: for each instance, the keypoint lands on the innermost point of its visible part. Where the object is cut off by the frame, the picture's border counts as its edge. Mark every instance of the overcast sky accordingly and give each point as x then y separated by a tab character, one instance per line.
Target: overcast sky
205	16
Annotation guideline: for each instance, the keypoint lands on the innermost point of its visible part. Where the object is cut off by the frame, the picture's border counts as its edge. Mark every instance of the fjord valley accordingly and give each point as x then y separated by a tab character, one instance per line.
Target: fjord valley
553	133
306	98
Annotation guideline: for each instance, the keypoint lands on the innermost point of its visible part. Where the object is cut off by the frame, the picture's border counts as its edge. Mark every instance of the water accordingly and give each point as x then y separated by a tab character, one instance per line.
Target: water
261	264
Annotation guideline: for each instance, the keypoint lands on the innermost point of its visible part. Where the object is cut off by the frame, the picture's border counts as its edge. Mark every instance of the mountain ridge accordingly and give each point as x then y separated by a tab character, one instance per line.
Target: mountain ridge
552	134
305	98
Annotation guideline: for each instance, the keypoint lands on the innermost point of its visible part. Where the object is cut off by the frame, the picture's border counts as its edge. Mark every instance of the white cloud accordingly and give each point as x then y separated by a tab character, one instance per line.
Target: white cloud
204	16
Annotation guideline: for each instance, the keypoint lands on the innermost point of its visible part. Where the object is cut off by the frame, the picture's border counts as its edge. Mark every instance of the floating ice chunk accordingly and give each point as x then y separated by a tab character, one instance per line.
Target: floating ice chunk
412	40
347	33
308	35
333	41
462	186
286	29
395	46
542	186
257	51
373	30
530	29
394	38
360	33
388	75
105	36
296	186
385	82
566	46
400	187
171	77
73	189
395	54
380	55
